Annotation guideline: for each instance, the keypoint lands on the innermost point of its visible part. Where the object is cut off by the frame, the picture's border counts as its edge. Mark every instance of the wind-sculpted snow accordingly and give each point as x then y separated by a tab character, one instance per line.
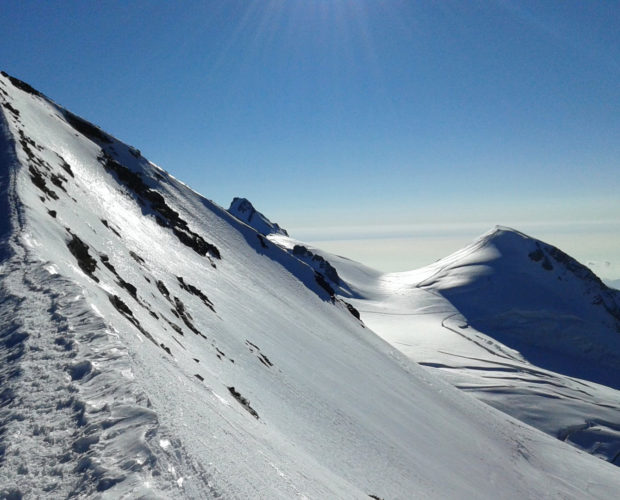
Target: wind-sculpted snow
139	362
72	421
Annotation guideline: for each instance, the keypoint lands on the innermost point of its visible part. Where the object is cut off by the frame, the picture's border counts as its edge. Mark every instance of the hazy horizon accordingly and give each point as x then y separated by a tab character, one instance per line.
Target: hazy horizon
415	247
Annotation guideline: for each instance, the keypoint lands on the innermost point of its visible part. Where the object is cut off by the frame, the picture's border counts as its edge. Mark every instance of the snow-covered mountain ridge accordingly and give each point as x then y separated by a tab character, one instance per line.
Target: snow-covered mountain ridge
509	283
153	345
511	320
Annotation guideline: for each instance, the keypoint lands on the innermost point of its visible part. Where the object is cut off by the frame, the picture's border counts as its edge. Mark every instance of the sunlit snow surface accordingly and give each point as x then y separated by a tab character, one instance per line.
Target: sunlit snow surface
135	365
534	335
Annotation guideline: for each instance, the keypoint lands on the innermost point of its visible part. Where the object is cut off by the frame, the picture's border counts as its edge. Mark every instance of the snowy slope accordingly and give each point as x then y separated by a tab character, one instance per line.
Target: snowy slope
613	284
153	345
512	320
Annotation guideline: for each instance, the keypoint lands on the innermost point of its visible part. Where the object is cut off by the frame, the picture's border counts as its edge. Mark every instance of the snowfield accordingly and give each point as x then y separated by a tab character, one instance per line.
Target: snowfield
154	346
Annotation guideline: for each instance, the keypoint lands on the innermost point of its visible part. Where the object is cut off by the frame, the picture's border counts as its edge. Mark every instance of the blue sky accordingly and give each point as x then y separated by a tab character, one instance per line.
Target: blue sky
355	117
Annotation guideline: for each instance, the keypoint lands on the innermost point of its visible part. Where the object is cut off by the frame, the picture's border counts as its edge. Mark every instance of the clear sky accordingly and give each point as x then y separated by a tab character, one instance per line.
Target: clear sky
389	131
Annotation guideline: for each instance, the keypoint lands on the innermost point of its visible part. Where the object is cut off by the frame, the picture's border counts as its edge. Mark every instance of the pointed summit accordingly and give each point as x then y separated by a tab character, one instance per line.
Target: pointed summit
245	211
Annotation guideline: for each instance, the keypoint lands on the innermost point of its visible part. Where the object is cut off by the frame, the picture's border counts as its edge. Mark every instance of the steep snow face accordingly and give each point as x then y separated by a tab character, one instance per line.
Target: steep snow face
512	321
155	346
245	211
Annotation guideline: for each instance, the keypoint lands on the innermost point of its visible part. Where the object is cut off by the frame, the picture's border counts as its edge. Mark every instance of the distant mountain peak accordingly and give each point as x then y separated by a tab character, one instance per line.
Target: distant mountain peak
533	294
243	209
513	242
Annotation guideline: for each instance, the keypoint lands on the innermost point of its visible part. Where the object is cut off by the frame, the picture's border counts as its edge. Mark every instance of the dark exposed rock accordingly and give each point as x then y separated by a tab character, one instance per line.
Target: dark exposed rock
86	128
195	291
132	180
174	326
185	316
27	144
251	344
261	357
65	166
11	109
57	180
180	307
245	211
163	290
352	310
79	249
317	261
38	180
301	251
320	279
243	401
133	291
109	226
106	262
136	257
22	85
121	307
165	216
605	297
129	287
265	360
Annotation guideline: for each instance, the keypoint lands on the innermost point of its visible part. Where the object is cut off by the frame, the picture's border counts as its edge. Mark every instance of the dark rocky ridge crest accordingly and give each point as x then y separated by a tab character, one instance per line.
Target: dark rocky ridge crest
86	128
245	211
165	216
23	85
